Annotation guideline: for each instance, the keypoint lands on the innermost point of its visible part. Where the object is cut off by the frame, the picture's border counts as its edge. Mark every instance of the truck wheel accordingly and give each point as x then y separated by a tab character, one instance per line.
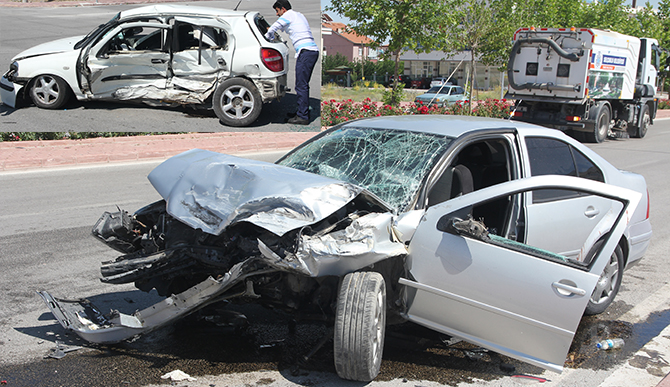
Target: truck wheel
237	102
49	92
360	325
608	284
641	131
601	127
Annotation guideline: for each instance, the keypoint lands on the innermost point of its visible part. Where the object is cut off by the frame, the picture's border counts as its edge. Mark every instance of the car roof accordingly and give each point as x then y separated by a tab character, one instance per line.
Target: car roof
444	87
447	125
180	9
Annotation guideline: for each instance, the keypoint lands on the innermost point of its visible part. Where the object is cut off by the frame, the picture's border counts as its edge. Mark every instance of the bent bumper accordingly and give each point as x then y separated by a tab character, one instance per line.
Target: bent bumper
9	91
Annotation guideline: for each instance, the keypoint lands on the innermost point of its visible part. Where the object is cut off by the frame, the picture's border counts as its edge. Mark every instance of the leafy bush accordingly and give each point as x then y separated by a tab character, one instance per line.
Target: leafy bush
394	95
334	112
664	104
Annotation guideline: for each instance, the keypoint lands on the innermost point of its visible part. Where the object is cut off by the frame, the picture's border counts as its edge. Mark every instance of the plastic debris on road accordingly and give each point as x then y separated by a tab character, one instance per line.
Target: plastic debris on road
60	350
178	376
610	343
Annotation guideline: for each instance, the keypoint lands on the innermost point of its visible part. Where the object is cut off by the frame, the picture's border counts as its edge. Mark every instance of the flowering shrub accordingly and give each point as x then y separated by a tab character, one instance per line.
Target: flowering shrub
334	112
664	104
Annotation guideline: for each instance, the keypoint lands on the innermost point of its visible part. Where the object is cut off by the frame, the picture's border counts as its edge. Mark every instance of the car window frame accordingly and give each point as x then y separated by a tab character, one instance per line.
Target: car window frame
553	195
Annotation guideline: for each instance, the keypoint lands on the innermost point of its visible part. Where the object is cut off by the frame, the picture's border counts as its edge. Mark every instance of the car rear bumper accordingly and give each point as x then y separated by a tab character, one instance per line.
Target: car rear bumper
638	241
272	88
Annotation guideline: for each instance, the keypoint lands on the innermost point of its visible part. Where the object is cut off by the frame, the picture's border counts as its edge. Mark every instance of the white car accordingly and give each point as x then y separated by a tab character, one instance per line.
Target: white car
440	81
499	233
160	55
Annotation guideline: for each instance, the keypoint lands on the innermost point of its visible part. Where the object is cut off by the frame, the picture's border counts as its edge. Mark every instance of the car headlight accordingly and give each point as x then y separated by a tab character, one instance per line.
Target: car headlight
13	71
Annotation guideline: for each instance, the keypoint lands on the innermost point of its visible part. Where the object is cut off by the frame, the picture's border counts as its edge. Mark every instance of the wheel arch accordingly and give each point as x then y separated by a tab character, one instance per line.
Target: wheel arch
652	106
625	248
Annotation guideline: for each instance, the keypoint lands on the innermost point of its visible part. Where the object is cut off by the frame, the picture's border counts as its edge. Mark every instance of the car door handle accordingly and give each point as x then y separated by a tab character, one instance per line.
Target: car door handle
569	289
591	212
157	61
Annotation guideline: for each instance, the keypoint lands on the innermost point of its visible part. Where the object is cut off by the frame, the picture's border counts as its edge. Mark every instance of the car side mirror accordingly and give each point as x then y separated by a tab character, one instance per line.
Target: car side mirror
464	227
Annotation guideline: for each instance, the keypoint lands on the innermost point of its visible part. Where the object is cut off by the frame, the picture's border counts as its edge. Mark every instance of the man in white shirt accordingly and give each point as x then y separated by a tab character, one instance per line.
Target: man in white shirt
307	53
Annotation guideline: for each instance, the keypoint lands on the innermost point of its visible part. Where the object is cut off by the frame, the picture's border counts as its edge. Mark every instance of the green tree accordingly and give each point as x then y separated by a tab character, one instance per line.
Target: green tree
406	25
329	62
475	20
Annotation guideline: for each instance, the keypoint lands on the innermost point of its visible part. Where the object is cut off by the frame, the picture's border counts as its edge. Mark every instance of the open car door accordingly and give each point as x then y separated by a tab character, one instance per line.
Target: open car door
500	294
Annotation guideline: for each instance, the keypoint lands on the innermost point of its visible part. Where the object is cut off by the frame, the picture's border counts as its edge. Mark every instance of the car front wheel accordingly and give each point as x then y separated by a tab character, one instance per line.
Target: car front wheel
237	102
49	92
608	284
360	326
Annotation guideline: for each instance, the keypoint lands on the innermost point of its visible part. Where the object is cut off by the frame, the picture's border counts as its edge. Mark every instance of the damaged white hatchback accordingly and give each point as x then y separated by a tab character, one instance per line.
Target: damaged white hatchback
499	233
161	55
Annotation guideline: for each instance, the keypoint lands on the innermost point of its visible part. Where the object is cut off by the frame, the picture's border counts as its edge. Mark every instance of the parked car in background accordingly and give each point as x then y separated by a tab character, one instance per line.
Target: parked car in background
440	81
406	80
164	55
420	83
500	233
441	96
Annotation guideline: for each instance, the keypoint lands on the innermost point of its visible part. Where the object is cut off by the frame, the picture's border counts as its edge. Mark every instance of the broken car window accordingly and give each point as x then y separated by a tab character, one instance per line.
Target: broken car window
189	36
391	164
137	39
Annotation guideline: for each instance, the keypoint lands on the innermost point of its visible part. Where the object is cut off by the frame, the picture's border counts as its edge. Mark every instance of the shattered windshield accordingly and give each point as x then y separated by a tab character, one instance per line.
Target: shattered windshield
391	164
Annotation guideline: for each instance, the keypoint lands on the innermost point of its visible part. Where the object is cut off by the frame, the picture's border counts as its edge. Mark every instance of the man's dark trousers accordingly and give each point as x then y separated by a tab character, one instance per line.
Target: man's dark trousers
303	73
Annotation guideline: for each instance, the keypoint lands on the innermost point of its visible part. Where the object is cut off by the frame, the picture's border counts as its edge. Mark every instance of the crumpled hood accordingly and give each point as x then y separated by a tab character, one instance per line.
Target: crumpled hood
210	191
56	46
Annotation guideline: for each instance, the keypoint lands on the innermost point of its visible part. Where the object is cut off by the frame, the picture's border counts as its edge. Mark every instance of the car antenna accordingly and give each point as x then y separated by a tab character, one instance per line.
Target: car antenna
238	4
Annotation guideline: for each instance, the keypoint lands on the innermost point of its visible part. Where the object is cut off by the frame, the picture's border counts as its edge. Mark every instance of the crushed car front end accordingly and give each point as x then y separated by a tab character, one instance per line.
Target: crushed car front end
238	230
9	90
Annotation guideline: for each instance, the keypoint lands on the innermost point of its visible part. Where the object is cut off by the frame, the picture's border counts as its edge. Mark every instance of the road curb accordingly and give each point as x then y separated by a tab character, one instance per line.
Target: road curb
648	366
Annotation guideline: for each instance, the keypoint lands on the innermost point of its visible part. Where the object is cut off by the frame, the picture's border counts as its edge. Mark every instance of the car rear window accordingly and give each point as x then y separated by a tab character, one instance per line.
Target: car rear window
261	24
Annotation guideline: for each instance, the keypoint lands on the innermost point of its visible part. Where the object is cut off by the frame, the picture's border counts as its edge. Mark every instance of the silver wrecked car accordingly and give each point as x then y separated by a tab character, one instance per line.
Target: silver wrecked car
499	233
165	55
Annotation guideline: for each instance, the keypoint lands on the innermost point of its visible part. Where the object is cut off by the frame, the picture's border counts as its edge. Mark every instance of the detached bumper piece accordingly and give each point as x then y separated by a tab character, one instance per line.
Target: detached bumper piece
86	320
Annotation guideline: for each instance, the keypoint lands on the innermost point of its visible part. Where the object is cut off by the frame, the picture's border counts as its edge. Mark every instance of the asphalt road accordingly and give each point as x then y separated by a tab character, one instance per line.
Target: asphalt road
45	220
22	28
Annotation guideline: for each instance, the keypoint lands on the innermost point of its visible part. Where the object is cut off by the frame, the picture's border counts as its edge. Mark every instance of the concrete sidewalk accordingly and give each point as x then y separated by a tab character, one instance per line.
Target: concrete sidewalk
52	153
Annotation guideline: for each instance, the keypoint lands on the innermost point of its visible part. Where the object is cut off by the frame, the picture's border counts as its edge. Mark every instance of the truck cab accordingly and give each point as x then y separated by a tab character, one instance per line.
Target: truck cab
648	65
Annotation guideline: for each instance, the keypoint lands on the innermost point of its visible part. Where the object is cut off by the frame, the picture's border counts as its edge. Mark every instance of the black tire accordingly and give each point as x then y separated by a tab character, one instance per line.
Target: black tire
49	92
641	131
237	102
601	127
608	284
360	326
